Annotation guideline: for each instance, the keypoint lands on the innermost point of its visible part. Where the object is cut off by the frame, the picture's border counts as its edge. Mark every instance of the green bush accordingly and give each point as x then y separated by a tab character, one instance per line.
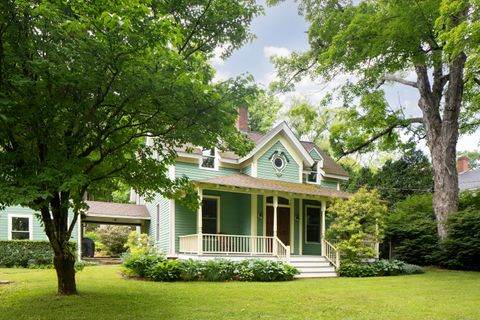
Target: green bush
378	269
156	268
25	253
412	231
462	248
137	265
167	270
114	238
218	270
190	270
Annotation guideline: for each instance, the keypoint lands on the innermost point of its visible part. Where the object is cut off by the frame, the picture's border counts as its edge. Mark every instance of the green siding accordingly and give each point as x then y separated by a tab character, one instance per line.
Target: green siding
234	212
192	171
315	155
247	170
260	218
164	224
329	184
185	222
309	248
266	170
38	232
234	215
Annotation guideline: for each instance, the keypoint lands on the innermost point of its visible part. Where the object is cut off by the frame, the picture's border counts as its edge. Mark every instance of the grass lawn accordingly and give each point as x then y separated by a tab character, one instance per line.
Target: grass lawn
104	294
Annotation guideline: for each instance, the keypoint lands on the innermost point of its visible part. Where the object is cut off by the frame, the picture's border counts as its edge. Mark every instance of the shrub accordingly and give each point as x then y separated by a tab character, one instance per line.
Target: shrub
139	243
137	265
156	268
114	238
25	253
378	268
462	248
412	231
167	270
190	270
218	270
358	218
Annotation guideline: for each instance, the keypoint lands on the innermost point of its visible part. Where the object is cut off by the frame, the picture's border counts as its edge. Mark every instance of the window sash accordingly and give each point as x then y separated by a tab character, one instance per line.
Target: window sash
20	228
210	215
312	224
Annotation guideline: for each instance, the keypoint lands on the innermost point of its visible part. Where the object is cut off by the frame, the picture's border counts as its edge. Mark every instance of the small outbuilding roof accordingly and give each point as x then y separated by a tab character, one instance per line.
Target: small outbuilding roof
248	182
116	210
469	180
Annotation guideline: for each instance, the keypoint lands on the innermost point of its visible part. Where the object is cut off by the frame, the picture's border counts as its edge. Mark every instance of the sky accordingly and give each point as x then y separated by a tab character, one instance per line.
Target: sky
280	31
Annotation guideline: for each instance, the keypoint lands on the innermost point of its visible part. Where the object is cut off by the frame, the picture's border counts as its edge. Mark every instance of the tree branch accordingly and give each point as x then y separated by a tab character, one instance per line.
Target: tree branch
395	79
402	124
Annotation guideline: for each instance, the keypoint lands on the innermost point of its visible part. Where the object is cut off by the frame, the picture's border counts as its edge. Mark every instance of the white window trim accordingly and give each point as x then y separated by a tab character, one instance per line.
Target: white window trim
318	175
158	214
215	162
320	225
218	210
19	215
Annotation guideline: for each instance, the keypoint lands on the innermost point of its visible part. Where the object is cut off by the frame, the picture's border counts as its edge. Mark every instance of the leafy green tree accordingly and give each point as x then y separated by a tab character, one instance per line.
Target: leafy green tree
309	122
397	179
82	83
357	219
381	42
263	110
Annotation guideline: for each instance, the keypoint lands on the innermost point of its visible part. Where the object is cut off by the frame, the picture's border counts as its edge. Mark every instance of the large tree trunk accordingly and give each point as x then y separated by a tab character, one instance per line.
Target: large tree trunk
442	133
58	230
65	266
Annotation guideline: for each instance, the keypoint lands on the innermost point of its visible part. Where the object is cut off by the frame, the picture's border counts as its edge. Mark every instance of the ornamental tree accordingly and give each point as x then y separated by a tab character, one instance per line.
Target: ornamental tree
435	42
82	83
356	220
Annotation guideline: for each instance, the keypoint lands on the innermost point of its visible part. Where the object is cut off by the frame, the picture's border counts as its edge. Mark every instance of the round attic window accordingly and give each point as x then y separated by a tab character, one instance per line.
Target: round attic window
279	162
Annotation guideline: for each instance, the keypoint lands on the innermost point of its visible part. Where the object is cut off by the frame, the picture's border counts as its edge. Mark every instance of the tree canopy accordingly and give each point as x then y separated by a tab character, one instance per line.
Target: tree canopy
83	83
384	41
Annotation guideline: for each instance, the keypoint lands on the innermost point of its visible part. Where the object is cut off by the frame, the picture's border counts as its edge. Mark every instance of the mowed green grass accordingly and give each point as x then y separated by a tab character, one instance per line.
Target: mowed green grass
104	294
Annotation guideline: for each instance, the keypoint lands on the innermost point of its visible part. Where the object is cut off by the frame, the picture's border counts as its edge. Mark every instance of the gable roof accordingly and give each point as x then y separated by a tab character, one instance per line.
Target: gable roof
469	180
330	167
260	142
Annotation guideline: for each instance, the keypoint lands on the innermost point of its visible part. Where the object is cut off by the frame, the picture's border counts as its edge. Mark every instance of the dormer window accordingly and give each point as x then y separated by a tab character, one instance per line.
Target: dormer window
209	159
312	176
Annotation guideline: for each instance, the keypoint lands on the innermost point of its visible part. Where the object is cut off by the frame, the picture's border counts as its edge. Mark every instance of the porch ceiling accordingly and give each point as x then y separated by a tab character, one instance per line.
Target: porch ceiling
243	181
107	212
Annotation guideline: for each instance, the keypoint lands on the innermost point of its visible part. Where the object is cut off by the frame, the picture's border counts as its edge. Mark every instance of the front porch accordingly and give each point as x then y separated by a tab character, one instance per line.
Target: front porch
237	222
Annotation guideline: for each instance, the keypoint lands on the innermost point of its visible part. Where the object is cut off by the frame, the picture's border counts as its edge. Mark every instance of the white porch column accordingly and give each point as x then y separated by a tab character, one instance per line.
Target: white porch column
79	237
324	208
275	205
253	223
199	223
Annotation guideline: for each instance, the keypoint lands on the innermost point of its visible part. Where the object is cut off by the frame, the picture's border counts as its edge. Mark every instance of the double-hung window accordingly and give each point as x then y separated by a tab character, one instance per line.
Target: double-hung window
210	215
208	159
312	176
20	227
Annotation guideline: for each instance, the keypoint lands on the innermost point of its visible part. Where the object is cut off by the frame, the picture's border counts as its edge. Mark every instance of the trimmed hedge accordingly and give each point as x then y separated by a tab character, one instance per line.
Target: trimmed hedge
378	268
155	267
25	253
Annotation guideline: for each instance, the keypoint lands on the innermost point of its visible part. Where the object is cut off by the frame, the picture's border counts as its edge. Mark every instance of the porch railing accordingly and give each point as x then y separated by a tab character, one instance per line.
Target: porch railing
332	254
234	245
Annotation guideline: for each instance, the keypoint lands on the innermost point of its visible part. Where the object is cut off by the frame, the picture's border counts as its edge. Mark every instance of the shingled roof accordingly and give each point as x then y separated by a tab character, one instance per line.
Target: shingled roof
245	181
116	210
469	180
329	165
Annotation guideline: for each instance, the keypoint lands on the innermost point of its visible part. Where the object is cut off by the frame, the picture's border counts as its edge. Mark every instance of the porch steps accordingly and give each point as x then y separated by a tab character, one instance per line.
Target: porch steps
313	267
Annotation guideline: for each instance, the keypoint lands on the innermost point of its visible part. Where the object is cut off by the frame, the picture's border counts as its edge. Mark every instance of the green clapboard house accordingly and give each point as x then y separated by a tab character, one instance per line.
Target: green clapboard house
269	204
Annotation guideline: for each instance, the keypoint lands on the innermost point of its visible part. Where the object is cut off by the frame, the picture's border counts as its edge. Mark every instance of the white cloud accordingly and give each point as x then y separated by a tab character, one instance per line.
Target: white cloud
270	51
217	60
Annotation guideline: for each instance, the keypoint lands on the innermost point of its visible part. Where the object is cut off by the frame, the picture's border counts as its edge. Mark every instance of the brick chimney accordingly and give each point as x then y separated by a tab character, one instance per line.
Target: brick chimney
242	120
462	164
